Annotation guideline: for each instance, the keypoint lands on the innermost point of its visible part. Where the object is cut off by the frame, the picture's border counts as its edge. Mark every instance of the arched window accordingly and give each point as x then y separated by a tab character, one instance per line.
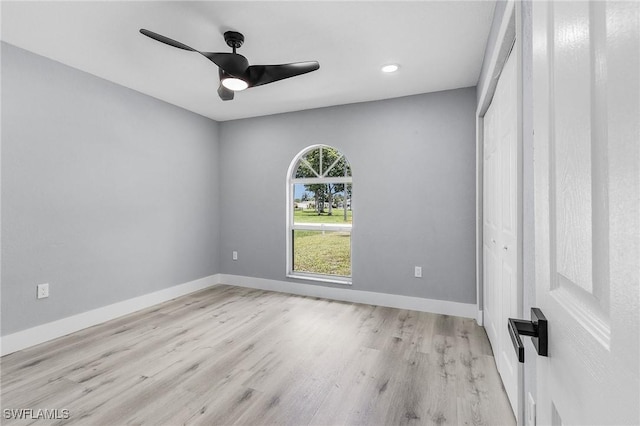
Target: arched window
319	215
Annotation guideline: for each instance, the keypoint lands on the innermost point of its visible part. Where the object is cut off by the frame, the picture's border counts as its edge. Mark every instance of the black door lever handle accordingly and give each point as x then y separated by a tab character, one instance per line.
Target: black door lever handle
536	328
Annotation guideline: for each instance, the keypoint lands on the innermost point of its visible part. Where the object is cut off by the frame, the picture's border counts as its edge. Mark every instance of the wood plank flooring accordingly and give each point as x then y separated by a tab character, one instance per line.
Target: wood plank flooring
231	355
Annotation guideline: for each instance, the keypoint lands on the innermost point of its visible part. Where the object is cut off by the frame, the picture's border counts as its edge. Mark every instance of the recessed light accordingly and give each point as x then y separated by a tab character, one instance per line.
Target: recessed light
390	68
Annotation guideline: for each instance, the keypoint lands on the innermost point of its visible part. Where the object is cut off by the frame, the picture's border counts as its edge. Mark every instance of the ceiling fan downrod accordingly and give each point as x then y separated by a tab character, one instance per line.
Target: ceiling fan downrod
233	39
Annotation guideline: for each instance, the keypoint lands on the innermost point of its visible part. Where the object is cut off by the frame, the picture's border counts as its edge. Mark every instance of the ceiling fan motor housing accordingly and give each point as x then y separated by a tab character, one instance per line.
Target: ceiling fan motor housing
234	39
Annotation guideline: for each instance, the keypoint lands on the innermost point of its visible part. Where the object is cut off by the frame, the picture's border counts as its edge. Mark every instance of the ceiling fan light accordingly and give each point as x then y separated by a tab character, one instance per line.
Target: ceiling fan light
234	84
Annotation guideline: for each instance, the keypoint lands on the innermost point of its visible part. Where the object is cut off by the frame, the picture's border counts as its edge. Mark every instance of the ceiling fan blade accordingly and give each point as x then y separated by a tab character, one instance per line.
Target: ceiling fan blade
263	74
166	40
224	93
231	63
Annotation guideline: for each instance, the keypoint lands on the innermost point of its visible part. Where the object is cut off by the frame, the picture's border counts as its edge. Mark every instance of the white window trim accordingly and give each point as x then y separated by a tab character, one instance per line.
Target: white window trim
312	181
333	279
292	226
320	227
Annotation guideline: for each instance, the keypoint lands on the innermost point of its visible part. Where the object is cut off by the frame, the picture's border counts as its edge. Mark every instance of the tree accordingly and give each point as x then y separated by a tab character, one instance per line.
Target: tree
340	169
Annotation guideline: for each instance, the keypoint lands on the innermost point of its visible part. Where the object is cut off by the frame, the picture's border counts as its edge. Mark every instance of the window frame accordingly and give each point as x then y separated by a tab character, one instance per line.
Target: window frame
291	226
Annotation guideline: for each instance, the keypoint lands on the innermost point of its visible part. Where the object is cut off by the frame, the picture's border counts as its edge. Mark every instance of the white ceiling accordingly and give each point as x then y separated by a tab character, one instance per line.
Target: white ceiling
438	44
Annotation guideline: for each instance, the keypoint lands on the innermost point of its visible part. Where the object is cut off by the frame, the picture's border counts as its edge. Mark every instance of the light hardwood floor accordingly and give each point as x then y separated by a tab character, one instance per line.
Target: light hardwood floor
231	355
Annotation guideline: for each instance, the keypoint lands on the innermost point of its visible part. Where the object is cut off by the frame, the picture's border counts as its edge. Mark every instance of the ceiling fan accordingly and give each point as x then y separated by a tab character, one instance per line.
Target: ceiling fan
234	70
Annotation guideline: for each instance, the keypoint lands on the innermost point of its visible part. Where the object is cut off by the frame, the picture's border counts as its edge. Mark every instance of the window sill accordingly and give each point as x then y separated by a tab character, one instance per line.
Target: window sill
321	278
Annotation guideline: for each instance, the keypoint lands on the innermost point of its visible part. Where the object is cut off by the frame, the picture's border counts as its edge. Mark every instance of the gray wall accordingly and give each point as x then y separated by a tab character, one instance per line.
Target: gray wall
413	163
107	194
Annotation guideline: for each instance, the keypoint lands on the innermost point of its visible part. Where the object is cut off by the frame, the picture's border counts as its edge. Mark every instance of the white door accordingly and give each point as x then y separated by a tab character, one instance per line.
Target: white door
500	233
587	169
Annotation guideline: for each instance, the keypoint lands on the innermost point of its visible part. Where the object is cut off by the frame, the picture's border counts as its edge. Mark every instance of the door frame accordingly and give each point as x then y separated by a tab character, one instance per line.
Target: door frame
508	41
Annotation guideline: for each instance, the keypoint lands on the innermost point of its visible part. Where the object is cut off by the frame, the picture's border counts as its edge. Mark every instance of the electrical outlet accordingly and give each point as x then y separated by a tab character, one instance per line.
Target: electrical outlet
417	272
235	255
531	410
42	291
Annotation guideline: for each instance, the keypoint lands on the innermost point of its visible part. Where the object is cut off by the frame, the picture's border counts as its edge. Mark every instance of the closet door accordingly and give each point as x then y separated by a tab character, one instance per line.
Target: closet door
500	237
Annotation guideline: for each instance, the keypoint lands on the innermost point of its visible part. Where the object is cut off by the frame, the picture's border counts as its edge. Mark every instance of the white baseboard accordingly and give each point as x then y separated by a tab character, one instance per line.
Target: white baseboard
480	318
467	310
52	330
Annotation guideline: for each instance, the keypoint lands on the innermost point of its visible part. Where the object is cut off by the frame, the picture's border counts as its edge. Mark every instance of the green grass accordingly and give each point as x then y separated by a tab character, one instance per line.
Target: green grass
311	216
318	253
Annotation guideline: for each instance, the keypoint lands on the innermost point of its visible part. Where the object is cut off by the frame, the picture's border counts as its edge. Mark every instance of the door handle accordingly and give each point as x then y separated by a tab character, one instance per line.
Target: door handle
536	328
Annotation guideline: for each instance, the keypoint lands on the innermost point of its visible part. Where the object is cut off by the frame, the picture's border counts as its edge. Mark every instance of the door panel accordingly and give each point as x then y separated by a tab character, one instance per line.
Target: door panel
572	139
587	196
492	308
490	228
508	361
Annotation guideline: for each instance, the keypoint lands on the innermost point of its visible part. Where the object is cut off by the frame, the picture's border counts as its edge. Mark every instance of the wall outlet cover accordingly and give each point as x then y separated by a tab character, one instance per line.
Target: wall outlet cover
418	272
42	291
